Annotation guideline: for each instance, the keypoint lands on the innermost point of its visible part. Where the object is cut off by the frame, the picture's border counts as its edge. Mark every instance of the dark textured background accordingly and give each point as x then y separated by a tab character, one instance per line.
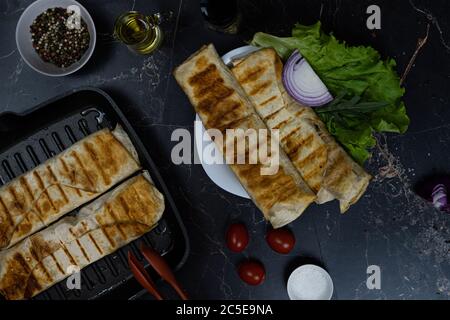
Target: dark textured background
389	226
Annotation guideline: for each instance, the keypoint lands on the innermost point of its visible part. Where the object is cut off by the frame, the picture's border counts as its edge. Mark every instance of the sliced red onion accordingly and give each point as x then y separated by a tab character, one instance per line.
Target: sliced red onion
303	84
439	196
434	189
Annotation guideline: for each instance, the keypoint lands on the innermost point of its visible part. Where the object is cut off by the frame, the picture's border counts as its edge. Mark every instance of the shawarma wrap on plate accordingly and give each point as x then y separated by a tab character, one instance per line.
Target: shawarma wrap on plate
222	104
329	171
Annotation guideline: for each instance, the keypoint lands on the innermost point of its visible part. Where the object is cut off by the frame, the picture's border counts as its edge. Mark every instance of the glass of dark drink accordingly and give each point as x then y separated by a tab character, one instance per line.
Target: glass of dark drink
221	15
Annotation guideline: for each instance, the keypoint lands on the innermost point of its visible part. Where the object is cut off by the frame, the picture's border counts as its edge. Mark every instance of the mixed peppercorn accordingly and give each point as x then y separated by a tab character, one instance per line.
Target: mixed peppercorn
55	42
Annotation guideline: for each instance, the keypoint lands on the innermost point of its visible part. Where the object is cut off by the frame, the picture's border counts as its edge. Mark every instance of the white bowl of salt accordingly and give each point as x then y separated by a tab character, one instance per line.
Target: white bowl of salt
310	282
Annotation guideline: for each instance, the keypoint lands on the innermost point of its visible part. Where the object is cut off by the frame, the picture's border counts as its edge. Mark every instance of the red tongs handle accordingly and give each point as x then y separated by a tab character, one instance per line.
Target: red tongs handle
163	269
142	276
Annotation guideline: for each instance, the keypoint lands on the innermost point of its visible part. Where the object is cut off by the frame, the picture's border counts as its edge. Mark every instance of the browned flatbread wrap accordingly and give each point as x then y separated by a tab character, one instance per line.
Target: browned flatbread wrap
329	171
222	104
99	229
61	184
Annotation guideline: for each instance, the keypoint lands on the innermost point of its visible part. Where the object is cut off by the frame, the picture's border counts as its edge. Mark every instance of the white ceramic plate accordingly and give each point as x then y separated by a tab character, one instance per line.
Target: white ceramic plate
25	44
220	174
310	282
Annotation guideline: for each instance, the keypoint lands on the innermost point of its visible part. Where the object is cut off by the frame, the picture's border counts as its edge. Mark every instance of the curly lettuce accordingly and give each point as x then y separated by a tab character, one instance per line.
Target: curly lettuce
355	70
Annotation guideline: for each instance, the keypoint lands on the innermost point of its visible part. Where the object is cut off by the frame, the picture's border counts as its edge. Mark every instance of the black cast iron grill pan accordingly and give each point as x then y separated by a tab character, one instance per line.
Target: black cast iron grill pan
27	140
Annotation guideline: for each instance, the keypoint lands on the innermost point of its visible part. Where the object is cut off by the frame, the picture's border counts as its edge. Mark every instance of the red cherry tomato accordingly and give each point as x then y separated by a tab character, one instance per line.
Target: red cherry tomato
237	237
252	272
281	240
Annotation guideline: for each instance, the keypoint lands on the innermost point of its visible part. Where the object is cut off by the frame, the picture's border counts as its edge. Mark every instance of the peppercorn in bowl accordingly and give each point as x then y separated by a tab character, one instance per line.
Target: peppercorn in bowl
55	37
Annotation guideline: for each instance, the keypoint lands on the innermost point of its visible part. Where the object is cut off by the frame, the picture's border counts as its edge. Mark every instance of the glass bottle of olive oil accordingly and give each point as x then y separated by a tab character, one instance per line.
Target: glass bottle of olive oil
141	33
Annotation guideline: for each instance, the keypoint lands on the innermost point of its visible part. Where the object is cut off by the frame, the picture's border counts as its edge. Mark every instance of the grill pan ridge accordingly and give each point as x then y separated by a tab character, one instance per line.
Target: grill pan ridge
28	139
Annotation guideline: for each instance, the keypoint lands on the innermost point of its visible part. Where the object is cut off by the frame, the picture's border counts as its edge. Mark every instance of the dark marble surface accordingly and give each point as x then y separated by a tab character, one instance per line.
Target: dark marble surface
390	226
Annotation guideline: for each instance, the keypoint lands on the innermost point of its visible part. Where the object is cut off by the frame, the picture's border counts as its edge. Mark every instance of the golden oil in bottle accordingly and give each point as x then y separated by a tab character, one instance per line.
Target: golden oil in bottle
139	32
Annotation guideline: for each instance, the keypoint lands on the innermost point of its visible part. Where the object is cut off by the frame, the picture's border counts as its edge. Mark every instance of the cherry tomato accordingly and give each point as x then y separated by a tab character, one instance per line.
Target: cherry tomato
252	272
281	240
237	237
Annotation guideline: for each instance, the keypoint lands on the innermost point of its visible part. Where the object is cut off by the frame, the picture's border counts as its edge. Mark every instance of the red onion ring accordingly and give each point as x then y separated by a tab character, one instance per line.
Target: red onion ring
296	65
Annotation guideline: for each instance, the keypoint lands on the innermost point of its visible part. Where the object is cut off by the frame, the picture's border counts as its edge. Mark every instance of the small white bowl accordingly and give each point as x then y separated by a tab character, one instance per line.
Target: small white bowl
310	282
25	44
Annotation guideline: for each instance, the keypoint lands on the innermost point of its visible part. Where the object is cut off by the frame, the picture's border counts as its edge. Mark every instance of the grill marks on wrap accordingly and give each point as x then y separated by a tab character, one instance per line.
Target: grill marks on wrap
44	256
83	170
117	216
261	87
7	225
33	199
338	171
18	202
298	145
253	74
25	278
273	114
117	223
94	159
25	186
322	163
57	264
54	180
307	156
270	189
216	101
83	251
48	201
70	174
268	100
92	239
290	135
293	145
222	107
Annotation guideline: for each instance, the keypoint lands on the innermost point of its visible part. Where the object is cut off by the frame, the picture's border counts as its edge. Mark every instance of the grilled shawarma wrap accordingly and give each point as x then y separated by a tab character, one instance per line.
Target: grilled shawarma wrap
222	104
99	229
61	184
322	162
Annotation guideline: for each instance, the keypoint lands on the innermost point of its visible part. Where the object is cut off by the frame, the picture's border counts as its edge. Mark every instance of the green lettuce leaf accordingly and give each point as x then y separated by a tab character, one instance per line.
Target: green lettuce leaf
357	70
